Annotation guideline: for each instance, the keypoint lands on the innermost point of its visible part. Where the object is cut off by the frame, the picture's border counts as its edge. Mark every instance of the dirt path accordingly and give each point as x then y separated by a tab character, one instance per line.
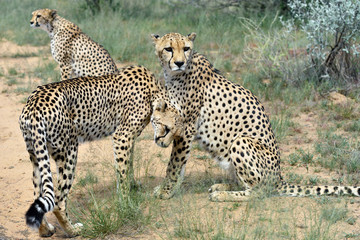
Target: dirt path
16	188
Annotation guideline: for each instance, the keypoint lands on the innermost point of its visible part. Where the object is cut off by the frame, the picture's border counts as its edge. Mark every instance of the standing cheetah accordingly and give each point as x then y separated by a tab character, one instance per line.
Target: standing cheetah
227	119
58	116
77	54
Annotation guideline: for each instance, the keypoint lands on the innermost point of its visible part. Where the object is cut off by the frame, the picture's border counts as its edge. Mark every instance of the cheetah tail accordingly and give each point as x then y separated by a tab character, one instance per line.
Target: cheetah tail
45	202
287	189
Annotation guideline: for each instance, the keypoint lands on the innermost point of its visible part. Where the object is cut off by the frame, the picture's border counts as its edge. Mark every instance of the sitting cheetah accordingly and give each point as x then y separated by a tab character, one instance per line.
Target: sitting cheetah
77	54
227	119
58	116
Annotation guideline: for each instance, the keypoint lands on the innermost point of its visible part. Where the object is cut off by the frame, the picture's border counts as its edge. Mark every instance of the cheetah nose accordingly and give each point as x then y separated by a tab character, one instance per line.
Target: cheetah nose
31	22
179	64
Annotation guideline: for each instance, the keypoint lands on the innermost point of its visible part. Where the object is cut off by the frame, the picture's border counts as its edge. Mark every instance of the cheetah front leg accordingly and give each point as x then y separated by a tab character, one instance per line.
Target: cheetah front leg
176	167
123	142
253	163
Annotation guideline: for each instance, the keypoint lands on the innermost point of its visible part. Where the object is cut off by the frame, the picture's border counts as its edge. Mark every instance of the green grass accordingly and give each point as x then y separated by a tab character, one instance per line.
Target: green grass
281	126
12	71
266	218
47	72
341	154
103	210
12	81
24	55
354	126
294	178
334	215
90	178
344	112
301	157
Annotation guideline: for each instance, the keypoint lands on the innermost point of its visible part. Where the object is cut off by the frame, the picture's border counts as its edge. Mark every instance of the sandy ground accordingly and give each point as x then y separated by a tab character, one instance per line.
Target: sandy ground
16	190
15	170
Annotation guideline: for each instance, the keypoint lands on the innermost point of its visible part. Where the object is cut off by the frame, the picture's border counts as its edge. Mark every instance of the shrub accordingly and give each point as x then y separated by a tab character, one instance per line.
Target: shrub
95	6
332	28
246	8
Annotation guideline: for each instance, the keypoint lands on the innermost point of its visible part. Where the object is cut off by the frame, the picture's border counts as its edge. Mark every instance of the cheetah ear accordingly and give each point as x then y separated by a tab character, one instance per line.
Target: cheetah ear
155	37
179	126
192	36
160	105
53	13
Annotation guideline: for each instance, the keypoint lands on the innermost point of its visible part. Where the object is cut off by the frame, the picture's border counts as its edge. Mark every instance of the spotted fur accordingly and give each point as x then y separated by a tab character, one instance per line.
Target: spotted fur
77	54
227	119
58	116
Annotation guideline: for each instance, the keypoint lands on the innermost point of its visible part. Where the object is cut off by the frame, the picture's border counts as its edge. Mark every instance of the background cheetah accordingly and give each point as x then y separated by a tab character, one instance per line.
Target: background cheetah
58	116
77	54
227	119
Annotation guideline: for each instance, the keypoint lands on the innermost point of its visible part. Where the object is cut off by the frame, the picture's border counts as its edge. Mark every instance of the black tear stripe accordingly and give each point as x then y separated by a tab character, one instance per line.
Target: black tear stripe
172	55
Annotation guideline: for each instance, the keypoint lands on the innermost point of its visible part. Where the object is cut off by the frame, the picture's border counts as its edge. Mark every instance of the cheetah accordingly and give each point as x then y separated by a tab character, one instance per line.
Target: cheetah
58	116
76	53
227	119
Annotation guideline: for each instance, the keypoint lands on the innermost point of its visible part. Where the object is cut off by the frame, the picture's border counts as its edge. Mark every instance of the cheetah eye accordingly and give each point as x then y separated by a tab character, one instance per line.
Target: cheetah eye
37	16
186	49
168	49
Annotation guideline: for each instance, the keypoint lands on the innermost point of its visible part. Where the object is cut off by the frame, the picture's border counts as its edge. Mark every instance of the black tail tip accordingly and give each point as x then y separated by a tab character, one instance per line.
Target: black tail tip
34	215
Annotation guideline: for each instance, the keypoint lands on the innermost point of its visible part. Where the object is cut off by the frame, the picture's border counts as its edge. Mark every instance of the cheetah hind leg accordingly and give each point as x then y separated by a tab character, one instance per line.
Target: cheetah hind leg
72	230
243	152
45	228
66	173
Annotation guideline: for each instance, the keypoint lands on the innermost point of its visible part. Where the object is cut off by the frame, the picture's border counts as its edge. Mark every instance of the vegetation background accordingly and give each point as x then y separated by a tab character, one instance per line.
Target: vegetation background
258	44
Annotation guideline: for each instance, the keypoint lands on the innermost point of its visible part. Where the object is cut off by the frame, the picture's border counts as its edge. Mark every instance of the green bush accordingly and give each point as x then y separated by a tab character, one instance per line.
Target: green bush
332	29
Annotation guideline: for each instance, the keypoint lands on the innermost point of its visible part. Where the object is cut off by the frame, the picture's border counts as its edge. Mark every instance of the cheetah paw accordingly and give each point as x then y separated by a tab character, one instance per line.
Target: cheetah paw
46	231
159	192
75	231
220	187
216	196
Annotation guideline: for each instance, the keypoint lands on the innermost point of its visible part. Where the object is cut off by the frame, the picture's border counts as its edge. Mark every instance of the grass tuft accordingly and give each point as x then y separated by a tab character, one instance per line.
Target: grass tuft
104	211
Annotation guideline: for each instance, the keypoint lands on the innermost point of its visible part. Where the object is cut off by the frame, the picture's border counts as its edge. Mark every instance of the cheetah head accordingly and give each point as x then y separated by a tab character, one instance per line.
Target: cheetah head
42	18
174	51
166	122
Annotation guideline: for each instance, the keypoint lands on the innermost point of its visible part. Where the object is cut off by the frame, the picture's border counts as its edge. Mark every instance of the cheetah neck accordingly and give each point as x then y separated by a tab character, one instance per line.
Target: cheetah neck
53	26
59	24
171	76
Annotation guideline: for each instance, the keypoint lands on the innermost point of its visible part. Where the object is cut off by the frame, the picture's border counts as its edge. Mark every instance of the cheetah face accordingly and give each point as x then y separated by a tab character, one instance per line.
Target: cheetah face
42	17
166	123
174	51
